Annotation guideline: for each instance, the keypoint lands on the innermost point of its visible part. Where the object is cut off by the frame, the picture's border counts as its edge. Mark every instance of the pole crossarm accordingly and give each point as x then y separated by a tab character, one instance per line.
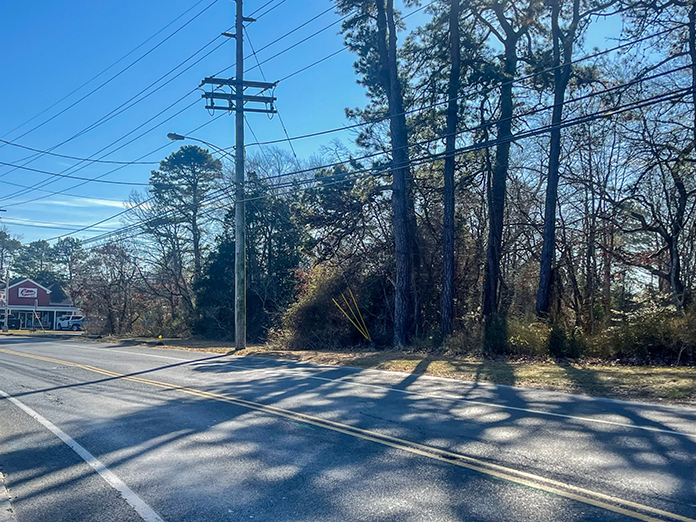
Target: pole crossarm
231	107
232	97
210	80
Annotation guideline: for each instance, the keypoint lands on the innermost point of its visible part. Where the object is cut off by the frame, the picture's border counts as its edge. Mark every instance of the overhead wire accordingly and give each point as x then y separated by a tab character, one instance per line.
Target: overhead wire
280	117
120	72
68	176
384	170
445	102
77	89
55	193
124	106
281	2
45	183
36	224
490	123
49	153
622	86
138	205
266	46
253	13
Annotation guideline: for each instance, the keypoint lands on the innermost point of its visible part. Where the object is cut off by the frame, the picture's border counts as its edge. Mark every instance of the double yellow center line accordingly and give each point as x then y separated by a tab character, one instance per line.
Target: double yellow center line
610	503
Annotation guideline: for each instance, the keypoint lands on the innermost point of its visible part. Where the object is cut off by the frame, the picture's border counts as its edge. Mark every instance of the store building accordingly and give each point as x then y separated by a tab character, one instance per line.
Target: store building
35	305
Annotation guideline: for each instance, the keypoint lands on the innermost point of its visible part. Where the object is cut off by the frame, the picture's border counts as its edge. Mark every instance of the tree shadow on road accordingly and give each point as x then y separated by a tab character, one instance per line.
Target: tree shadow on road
195	458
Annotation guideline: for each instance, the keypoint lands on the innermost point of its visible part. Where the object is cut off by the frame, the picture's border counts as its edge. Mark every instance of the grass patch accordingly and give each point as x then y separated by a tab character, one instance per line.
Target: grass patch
675	385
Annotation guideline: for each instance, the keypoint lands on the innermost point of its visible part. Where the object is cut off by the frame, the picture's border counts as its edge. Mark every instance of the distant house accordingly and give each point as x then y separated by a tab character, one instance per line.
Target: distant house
35	305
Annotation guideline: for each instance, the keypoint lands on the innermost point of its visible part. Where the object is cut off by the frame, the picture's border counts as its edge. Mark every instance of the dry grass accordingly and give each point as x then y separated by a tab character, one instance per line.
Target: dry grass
675	385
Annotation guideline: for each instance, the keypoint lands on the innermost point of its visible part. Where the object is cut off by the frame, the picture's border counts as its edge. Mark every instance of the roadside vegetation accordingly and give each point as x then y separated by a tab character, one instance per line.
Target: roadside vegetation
514	196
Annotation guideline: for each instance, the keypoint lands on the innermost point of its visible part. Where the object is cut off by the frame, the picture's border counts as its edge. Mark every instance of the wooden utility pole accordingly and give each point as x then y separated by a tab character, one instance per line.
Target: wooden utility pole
235	102
240	204
6	324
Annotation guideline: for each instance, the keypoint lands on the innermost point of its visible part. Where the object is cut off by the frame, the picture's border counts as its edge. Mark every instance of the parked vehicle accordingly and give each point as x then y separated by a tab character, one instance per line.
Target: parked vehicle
13	322
70	322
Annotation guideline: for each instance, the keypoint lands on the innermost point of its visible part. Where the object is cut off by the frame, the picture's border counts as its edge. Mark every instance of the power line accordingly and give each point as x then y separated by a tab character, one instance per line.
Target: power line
120	167
37	224
344	48
633	42
262	7
59	175
120	72
280	117
281	2
49	153
111	114
141	203
282	37
313	64
45	183
55	193
513	138
381	171
82	132
382	119
489	123
124	106
444	102
104	70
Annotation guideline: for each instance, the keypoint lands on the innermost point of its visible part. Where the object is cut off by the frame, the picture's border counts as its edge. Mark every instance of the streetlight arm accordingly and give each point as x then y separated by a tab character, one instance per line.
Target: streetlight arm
179	137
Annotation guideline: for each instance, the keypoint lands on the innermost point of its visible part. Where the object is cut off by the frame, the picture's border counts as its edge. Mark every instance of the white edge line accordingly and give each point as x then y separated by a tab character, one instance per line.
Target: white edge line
342	380
145	511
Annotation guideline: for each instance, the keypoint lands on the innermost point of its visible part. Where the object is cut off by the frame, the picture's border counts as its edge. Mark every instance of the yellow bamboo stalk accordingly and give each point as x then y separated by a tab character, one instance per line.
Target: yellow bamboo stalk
348	317
355	317
369	338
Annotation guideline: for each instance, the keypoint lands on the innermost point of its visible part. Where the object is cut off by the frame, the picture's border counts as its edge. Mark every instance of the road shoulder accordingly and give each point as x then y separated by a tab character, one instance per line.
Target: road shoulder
6	511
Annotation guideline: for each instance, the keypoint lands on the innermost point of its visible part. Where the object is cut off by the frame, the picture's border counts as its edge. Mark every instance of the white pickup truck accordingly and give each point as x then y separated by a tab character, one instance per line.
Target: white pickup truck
70	322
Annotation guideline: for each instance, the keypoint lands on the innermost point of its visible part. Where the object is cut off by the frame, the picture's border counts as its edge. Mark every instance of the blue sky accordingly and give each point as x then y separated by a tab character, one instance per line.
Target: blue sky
50	48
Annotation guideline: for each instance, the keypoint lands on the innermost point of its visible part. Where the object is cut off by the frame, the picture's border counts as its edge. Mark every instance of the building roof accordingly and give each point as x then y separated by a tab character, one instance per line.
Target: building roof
31	281
58	295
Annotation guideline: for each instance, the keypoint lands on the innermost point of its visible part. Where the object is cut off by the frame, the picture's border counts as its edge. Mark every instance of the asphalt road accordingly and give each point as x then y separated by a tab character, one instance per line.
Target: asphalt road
97	432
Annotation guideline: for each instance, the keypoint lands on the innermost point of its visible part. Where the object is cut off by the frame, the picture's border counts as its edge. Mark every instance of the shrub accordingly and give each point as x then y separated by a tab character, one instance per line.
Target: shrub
467	339
652	334
528	339
313	321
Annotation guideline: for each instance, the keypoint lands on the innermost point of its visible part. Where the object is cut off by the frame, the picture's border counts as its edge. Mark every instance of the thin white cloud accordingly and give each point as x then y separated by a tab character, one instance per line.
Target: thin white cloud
57	225
89	203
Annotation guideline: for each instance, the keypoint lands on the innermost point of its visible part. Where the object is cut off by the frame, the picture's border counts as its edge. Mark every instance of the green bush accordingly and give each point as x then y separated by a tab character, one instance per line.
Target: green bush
314	321
467	339
528	339
653	334
561	345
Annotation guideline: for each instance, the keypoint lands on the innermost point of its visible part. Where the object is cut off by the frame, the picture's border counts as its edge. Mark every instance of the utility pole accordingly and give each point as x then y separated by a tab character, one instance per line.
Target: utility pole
6	324
236	102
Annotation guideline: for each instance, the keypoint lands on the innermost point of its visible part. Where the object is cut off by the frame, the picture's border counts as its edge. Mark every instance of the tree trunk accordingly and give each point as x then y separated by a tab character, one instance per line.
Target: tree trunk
606	283
561	76
400	169
692	53
497	185
675	281
447	302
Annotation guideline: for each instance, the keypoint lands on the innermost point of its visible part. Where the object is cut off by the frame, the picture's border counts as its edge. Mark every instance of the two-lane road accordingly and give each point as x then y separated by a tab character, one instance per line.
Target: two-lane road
107	432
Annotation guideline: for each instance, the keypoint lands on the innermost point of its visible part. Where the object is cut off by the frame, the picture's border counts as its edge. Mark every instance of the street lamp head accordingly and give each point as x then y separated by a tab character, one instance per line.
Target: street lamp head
175	137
